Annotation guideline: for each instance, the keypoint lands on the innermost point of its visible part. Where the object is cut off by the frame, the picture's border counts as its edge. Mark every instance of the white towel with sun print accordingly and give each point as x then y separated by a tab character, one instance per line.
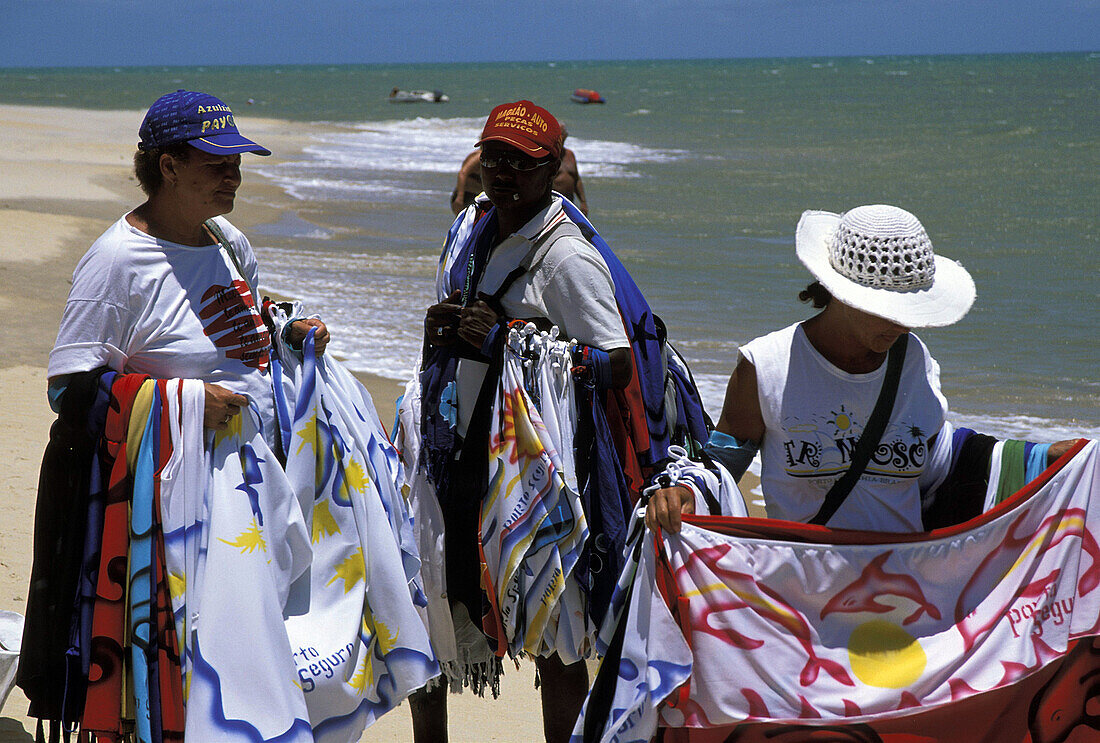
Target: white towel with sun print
357	638
235	541
428	531
183	484
241	557
548	379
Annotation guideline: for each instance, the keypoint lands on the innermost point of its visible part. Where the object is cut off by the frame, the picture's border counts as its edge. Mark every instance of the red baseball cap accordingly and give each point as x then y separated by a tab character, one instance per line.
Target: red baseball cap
527	127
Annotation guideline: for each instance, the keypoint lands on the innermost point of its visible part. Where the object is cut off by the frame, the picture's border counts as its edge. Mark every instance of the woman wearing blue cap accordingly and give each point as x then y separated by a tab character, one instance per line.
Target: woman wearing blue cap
251	588
169	290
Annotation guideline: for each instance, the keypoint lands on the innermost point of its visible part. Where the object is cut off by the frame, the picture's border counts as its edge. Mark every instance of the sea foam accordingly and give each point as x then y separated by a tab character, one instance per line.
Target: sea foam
380	159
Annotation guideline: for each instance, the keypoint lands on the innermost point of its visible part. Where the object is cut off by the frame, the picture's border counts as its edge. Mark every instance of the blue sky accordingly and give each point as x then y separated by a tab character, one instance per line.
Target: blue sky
36	33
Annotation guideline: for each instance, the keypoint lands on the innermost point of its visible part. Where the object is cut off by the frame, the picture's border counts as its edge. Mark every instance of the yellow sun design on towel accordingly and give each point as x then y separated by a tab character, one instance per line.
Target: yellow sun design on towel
528	445
308	433
351	570
498	442
357	477
386	639
364	676
885	655
324	525
249	539
177	585
354	479
375	631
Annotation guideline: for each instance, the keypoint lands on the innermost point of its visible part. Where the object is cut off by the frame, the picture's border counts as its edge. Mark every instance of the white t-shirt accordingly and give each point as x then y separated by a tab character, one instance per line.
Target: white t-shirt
568	283
148	306
814	414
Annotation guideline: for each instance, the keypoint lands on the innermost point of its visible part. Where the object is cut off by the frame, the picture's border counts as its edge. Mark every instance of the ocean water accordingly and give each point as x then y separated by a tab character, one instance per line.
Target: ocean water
696	173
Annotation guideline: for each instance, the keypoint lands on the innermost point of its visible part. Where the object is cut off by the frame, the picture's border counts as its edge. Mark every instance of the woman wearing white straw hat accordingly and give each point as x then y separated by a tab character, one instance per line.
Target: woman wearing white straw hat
806	395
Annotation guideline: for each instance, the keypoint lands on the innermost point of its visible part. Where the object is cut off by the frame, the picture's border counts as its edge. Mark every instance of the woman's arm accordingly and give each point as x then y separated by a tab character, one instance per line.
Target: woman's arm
741	418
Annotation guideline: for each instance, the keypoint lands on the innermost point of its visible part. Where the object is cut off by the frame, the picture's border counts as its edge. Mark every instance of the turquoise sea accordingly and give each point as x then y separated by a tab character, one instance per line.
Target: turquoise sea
696	173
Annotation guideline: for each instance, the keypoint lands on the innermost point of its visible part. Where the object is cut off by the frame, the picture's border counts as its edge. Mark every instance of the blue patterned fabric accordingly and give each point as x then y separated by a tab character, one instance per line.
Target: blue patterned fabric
641	328
438	367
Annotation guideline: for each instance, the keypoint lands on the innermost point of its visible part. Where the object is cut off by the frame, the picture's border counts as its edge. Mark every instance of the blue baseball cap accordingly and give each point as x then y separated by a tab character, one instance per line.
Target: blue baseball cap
199	119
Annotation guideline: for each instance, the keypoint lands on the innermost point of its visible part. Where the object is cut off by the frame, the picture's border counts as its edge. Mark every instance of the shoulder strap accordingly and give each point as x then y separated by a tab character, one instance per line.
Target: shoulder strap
556	231
871	435
216	231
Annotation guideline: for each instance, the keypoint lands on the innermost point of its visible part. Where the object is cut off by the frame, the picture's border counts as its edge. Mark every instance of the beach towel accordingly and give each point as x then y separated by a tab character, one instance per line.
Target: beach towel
629	431
252	543
532	526
465	253
680	469
56	641
428	532
302	623
218	606
158	710
360	647
103	703
183	507
641	405
140	593
754	629
11	636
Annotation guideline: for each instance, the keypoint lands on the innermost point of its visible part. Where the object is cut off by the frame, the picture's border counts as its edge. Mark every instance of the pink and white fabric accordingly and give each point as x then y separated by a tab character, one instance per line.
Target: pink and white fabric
746	629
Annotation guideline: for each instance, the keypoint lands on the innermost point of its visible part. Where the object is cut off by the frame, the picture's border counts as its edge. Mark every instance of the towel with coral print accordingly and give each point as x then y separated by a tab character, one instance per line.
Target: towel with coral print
532	522
752	630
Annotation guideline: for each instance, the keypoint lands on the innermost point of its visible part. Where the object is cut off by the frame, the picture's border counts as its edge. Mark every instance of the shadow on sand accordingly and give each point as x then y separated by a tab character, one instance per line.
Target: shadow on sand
11	731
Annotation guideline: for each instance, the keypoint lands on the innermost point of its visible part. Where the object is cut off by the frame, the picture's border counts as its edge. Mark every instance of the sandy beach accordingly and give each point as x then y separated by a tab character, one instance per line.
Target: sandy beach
65	177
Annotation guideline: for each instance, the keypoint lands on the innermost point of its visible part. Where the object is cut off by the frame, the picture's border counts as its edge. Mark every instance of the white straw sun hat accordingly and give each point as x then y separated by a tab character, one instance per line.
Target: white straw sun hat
879	259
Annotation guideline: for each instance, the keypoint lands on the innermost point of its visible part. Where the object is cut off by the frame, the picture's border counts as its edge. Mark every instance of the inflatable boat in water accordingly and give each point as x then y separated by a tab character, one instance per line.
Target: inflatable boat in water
583	95
416	96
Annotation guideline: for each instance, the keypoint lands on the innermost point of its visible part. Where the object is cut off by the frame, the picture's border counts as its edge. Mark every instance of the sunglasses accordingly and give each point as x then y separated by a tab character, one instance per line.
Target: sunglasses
519	163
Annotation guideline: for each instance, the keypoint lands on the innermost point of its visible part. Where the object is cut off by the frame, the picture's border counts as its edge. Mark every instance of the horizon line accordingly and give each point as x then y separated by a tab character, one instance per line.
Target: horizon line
551	62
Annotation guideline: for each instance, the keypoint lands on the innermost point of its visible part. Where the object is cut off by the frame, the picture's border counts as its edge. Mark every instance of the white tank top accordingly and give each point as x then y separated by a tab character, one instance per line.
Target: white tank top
814	414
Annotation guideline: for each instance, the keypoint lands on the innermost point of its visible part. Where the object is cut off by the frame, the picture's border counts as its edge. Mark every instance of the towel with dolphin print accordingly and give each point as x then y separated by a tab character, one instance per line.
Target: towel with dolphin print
750	630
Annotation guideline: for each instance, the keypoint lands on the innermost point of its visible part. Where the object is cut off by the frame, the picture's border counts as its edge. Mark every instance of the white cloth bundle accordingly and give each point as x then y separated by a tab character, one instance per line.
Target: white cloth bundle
293	590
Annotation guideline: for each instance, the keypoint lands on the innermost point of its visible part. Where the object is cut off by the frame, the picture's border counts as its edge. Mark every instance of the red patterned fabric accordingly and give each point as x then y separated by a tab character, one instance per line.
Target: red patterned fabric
745	631
103	706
